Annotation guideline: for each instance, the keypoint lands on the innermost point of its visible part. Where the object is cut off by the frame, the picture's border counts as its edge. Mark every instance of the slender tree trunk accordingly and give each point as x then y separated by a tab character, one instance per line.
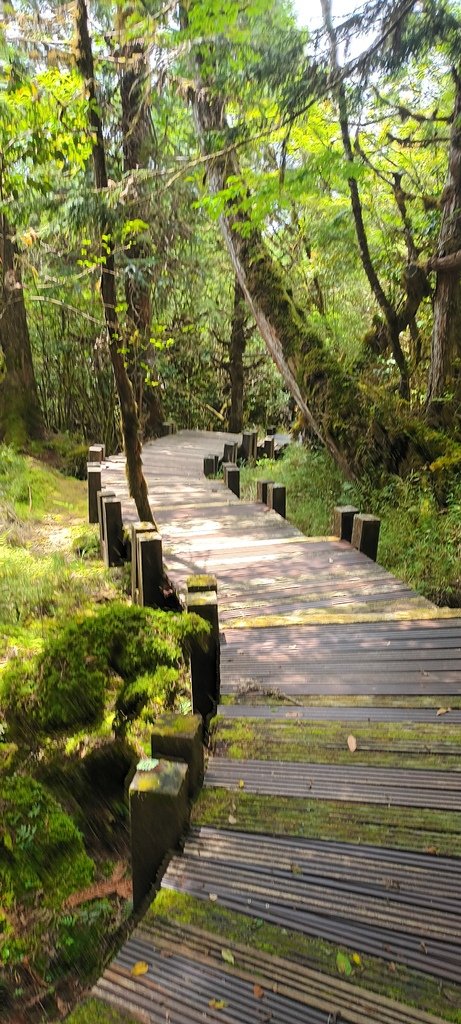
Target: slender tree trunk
236	352
129	413
20	413
444	369
136	130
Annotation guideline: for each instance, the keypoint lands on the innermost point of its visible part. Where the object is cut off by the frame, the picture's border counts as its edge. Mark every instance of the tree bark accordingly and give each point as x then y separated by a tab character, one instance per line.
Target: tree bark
136	130
20	413
129	413
445	371
236	352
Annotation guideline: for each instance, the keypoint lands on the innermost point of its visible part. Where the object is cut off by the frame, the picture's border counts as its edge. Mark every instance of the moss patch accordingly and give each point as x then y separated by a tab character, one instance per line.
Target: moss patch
95	1011
410	828
395	981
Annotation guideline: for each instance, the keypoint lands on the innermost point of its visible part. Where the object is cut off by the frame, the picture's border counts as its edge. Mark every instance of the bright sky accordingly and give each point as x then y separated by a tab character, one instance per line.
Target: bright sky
310	11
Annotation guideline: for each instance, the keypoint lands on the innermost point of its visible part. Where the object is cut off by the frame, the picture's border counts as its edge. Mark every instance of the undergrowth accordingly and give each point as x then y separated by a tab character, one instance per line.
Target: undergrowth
420	542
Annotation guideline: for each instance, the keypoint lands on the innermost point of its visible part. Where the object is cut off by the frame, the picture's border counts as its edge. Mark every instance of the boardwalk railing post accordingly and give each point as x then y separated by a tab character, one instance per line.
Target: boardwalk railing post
269	447
261	490
204	663
180	737
270	431
96	453
94	485
202	582
149	569
105	492
158	816
365	535
232	477
230	452
277	499
136	530
209	465
343	519
112	530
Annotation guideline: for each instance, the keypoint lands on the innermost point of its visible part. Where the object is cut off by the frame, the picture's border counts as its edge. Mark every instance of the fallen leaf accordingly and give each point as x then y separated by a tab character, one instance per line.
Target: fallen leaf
241	784
232	820
258	992
228	956
356	959
343	964
391	967
212	896
433	850
295	869
140	967
443	711
352	743
217	1004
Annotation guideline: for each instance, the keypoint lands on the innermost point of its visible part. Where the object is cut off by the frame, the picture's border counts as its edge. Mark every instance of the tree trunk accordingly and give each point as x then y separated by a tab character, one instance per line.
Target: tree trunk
129	413
20	412
444	371
236	352
136	130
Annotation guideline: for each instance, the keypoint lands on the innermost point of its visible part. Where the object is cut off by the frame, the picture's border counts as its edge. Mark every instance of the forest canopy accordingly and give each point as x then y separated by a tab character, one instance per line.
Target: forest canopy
212	214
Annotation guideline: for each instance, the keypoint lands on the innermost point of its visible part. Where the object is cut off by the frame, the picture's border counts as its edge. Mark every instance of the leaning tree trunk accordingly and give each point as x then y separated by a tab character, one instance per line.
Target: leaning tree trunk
129	413
236	352
20	412
136	130
444	372
362	433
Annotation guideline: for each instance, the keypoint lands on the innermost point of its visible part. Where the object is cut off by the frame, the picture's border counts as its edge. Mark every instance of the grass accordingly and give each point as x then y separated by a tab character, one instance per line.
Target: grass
95	1011
420	543
393	980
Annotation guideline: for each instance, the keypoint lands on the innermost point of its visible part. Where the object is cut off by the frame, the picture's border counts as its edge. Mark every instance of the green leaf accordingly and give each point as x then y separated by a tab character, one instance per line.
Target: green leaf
343	964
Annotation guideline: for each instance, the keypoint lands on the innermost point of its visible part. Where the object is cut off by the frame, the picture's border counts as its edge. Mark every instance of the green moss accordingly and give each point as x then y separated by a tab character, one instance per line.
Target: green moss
398	982
95	1011
412	828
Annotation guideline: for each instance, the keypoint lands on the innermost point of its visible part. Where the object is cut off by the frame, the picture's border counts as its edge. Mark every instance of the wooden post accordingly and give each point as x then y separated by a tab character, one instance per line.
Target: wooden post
232	477
277	499
269	447
204	664
247	445
136	530
94	485
96	453
150	569
114	545
343	519
365	535
180	737
270	431
158	816
261	490
209	464
198	584
167	429
104	493
230	452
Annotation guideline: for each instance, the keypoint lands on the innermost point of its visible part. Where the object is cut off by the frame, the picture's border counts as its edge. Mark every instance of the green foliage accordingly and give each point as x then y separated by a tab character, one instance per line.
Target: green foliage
94	1011
118	658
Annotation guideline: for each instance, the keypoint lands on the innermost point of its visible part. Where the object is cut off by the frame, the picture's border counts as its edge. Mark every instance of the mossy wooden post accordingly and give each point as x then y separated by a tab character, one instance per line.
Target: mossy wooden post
254	445
136	530
232	478
270	431
150	569
204	663
209	465
158	816
180	737
114	544
96	453
202	582
94	485
343	520
261	490
104	493
277	499
167	429
247	445
365	535
269	447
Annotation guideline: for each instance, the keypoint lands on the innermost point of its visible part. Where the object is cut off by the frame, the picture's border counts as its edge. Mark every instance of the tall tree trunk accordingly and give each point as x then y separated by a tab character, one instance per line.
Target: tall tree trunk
20	413
445	370
129	413
236	352
136	130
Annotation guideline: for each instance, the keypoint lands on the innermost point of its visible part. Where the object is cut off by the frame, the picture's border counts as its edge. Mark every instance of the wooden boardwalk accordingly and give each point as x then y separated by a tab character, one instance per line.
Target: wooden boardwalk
318	883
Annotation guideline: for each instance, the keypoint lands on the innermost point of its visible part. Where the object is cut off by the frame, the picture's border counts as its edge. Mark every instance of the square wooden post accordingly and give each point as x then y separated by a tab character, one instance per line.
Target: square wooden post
365	535
205	676
343	519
